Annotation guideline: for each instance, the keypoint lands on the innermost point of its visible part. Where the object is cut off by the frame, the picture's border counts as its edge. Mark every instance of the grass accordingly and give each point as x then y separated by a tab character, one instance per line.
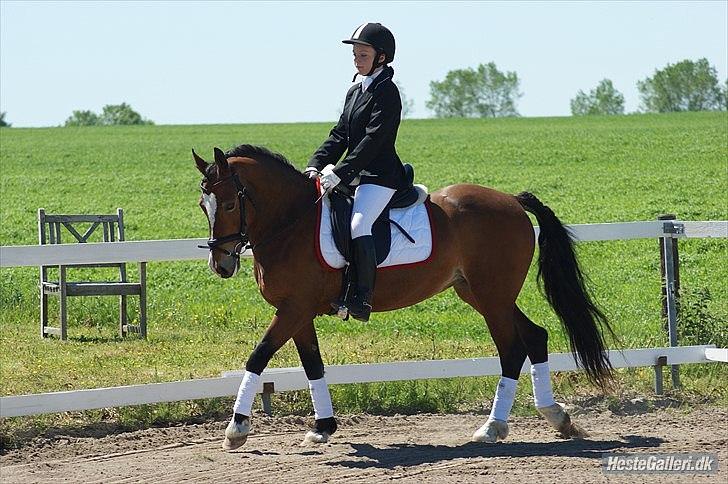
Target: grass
588	170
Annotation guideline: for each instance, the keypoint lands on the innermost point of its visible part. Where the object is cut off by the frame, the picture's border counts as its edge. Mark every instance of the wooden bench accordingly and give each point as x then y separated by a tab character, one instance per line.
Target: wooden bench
49	232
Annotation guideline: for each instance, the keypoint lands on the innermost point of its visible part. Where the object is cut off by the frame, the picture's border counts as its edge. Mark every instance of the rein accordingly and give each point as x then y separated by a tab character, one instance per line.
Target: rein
241	236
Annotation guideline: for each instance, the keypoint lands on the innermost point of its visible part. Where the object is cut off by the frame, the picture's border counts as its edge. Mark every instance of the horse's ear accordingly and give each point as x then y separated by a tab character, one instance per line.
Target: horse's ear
201	164
221	159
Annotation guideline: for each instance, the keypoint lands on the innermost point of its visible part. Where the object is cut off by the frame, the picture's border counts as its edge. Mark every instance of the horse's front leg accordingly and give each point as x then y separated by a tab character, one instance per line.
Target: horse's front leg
308	350
286	322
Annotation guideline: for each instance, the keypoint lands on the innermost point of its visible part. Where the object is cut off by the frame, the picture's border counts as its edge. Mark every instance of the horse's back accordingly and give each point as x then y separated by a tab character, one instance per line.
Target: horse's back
478	199
488	226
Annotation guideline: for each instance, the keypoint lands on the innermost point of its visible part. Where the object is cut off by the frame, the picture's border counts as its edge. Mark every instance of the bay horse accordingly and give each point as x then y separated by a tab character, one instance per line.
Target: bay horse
483	243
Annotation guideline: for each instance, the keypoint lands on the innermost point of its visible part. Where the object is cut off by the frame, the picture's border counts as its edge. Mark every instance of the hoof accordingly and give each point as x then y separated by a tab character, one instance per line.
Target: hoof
493	431
314	437
236	434
557	417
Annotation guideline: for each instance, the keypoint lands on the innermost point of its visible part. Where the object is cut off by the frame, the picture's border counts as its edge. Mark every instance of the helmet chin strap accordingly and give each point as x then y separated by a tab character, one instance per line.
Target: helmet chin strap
375	65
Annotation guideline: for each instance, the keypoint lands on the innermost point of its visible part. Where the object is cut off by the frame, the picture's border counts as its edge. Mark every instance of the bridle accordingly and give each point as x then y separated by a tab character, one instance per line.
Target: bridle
241	236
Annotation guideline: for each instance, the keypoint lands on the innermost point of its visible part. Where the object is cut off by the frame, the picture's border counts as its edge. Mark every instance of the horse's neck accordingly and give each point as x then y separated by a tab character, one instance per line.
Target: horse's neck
280	199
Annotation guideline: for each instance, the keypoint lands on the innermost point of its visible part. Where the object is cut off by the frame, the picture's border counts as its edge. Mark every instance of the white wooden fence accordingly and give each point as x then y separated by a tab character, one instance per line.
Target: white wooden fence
283	379
186	249
286	379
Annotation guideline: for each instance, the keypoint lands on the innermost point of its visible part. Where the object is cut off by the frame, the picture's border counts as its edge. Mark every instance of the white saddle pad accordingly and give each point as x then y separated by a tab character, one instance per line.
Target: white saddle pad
414	219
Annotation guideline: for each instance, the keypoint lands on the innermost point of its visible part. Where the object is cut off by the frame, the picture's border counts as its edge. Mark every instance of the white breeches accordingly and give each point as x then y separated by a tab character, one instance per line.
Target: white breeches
369	201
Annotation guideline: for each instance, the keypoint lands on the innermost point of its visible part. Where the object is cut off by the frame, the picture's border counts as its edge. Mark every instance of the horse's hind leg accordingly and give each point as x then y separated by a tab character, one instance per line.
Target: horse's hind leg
535	340
500	318
308	351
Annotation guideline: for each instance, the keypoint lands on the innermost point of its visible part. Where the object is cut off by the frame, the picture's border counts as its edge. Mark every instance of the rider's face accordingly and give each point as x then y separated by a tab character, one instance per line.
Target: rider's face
363	58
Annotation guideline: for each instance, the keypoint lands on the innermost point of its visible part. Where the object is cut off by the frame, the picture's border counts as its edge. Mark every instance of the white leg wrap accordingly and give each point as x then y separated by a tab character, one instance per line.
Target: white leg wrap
543	395
246	393
503	401
321	398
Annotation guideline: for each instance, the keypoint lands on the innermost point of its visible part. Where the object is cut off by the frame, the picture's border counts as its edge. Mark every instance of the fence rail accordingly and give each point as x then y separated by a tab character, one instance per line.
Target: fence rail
287	379
187	249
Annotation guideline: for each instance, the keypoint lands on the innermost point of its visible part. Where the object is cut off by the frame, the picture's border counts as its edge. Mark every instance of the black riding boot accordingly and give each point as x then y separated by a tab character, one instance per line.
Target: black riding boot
365	261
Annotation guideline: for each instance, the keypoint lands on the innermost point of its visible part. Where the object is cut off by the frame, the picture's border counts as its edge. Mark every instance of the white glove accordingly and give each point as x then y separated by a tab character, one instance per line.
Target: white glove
329	179
311	172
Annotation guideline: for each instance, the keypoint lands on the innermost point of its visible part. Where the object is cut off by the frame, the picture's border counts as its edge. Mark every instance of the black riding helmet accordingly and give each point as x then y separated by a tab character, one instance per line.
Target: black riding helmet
374	35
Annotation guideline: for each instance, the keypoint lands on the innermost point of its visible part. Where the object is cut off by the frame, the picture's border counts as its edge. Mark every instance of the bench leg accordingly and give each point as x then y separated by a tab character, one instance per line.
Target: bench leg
62	305
123	316
43	312
143	299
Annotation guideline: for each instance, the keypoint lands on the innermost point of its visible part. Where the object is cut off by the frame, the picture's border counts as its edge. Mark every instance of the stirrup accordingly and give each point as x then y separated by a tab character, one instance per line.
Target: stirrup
341	310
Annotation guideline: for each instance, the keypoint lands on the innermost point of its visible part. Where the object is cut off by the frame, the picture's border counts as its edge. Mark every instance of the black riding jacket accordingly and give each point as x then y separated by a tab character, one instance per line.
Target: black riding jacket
367	128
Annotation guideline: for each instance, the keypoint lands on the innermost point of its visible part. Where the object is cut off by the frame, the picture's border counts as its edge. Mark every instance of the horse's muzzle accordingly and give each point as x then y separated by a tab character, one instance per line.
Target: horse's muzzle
225	265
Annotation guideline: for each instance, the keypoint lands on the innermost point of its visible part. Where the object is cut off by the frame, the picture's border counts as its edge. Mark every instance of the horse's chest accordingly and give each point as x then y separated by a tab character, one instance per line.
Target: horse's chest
268	284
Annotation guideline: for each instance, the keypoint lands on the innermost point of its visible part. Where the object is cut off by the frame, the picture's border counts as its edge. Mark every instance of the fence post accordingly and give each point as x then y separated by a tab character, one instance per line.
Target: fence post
268	390
661	361
670	274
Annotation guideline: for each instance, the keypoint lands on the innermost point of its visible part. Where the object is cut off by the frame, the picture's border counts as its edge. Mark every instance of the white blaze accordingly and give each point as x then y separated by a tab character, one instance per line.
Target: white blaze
210	203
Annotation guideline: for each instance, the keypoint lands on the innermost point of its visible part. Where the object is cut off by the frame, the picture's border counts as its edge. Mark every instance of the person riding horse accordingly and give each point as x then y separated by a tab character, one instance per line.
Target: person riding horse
367	128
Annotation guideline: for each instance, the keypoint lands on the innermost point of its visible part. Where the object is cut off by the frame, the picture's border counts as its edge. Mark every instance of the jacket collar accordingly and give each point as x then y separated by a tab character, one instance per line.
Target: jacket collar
363	97
386	73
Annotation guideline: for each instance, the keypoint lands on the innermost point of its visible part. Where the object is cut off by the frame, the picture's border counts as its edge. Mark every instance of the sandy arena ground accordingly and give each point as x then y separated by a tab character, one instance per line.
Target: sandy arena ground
415	448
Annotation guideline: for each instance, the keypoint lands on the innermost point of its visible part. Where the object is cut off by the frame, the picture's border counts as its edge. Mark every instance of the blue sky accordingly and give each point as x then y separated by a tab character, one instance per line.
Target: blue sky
249	62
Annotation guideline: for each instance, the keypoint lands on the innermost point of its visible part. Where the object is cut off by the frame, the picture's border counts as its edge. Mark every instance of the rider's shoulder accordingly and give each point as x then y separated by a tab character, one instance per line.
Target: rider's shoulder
354	87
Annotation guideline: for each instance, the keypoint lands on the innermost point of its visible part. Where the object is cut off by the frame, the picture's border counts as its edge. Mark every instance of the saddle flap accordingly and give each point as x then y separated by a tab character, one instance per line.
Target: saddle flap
415	221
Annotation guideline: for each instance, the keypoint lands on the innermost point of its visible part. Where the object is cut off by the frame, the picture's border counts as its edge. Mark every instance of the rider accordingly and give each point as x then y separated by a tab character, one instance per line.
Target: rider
367	128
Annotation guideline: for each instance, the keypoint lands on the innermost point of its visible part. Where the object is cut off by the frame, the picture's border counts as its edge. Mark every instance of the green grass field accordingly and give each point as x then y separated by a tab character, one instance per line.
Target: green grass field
588	170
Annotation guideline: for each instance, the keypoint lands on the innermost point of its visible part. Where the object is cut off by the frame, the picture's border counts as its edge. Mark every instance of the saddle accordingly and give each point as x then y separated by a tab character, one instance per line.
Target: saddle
341	200
342	203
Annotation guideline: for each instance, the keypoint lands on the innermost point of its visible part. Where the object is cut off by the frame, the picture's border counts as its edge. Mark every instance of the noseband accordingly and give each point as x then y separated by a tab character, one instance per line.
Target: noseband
241	236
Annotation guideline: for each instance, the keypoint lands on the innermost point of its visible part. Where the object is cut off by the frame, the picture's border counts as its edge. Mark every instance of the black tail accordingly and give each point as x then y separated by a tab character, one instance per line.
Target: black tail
565	288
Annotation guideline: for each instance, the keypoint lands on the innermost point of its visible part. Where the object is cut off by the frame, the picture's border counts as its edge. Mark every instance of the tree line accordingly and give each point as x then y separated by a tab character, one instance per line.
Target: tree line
486	92
111	115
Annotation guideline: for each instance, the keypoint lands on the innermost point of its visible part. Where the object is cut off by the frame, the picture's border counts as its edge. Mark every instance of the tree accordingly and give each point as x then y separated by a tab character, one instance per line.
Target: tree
407	104
604	99
3	123
112	115
484	92
685	86
121	114
82	118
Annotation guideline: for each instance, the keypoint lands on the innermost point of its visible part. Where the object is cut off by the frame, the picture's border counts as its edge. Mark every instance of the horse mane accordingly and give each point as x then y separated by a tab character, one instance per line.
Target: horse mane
252	151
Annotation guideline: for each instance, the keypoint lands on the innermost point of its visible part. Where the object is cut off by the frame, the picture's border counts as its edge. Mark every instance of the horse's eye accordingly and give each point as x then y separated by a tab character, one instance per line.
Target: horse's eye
230	206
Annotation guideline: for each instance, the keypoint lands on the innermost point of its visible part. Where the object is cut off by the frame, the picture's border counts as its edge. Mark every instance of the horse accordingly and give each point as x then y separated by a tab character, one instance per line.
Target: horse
483	244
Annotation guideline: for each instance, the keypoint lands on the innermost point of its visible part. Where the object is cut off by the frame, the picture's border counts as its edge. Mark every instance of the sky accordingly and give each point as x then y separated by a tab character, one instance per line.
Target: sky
188	62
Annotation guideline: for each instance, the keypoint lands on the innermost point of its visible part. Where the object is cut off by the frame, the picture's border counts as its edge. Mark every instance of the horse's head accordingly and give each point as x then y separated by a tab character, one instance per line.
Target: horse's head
223	201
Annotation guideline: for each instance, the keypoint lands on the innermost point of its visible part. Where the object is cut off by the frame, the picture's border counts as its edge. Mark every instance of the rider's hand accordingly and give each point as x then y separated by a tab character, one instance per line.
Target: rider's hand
329	179
311	172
